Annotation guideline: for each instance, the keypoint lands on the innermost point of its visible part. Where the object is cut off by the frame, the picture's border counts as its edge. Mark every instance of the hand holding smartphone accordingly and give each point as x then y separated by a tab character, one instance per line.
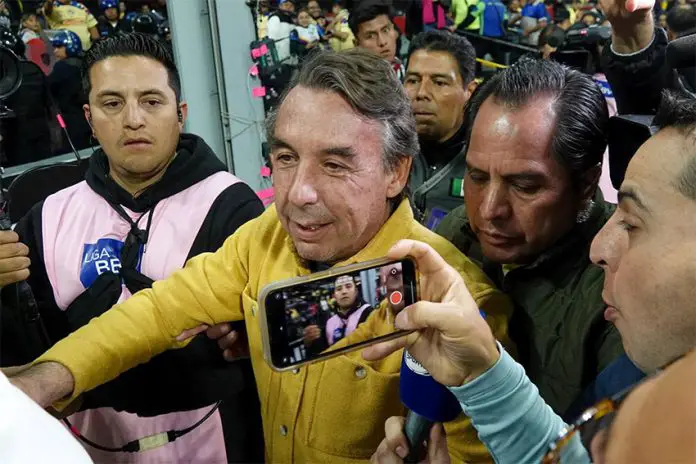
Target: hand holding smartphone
313	318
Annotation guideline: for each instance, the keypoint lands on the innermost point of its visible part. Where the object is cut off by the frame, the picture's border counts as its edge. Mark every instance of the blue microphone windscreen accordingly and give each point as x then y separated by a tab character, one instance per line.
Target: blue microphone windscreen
423	395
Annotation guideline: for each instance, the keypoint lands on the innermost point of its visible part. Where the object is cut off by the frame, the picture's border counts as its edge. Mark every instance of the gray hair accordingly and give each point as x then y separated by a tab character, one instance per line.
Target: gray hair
370	85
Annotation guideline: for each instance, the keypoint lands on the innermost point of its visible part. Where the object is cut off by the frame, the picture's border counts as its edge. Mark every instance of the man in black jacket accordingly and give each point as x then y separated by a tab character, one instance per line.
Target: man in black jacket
152	198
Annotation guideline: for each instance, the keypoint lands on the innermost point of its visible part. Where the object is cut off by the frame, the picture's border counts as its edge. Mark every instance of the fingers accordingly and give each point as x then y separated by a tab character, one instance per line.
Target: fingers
227	341
218	330
186	334
384	349
635	5
427	259
14	263
394	447
437	445
394	436
425	314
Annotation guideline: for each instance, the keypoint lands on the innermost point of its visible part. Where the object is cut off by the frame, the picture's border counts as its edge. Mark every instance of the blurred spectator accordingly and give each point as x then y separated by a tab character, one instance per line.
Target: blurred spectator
338	30
493	18
662	21
38	47
316	13
280	25
534	19
562	13
434	15
27	135
72	16
111	24
439	82
262	15
306	36
66	87
373	27
5	15
681	21
466	14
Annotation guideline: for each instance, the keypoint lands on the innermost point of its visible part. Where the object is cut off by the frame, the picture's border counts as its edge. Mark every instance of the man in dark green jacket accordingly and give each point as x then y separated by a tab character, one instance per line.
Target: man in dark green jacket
439	81
532	210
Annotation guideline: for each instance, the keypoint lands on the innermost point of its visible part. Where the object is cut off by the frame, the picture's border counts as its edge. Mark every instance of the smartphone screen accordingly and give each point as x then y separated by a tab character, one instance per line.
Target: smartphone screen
313	320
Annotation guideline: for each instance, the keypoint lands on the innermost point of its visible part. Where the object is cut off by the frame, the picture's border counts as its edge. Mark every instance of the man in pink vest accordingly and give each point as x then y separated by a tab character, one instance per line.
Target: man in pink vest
351	310
153	197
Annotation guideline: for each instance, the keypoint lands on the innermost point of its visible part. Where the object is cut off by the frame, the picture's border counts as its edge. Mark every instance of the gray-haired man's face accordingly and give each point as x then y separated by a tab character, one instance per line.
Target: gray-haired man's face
331	186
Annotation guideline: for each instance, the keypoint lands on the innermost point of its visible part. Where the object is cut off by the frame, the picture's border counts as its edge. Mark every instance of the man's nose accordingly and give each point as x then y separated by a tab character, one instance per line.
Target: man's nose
606	245
133	117
303	191
495	204
423	90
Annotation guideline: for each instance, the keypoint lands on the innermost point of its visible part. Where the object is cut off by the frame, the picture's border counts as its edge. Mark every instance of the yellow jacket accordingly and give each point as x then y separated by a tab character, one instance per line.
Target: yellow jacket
331	411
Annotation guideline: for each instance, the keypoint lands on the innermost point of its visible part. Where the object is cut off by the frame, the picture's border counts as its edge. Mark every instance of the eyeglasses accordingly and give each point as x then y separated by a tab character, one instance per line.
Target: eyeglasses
594	420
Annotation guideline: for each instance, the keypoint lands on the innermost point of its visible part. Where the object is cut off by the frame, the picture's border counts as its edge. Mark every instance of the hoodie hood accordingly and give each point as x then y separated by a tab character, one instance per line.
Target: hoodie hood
194	162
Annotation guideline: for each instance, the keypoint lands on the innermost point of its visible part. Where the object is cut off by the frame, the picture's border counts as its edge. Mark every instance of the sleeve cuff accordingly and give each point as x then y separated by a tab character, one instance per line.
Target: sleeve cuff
484	384
611	47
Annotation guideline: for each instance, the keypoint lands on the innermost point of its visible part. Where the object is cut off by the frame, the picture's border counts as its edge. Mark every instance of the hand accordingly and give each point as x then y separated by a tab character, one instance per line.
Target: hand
234	345
452	341
311	334
526	32
14	261
631	22
452	28
394	447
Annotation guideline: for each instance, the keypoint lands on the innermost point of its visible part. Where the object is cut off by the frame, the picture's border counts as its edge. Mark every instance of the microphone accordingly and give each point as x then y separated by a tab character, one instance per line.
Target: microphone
428	402
681	52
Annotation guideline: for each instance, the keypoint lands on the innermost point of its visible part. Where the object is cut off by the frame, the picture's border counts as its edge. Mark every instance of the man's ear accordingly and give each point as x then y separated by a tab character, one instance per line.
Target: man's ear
470	89
183	114
590	181
398	178
88	117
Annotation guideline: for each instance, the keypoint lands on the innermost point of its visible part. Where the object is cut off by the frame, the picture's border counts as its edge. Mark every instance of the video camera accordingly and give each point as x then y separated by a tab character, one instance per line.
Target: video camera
579	47
628	132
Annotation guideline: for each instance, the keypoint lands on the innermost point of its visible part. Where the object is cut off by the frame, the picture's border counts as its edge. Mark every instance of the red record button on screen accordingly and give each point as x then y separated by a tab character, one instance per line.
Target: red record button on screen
396	298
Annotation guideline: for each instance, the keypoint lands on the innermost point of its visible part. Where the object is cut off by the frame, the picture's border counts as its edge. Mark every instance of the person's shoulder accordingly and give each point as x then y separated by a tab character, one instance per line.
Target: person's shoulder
452	224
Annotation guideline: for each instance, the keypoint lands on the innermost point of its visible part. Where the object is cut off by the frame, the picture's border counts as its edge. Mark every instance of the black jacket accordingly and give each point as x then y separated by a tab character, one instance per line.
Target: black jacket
176	380
637	81
65	83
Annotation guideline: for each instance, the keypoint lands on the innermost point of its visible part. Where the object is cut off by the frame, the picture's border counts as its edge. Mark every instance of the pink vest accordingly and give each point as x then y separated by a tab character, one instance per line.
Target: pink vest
347	326
81	237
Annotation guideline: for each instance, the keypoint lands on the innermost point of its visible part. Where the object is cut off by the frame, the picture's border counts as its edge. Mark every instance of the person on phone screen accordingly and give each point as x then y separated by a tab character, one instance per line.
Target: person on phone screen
351	310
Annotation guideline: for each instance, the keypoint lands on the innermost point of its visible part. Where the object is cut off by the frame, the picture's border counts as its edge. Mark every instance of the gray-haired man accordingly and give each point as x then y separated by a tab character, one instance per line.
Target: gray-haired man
342	143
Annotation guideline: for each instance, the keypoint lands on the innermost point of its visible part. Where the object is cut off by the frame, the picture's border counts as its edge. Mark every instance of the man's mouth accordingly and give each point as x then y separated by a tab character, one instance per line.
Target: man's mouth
308	232
137	142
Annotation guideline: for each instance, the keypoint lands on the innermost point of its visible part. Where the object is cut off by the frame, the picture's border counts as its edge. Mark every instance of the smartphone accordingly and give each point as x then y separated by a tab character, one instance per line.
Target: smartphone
311	318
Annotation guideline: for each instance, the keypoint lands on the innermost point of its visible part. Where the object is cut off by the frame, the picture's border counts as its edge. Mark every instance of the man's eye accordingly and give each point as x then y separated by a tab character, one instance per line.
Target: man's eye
154	102
112	104
626	226
478	178
333	167
440	83
284	158
527	188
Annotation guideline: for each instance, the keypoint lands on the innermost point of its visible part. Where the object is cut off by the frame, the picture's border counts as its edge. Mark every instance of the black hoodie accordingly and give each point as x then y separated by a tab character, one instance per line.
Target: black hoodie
176	380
